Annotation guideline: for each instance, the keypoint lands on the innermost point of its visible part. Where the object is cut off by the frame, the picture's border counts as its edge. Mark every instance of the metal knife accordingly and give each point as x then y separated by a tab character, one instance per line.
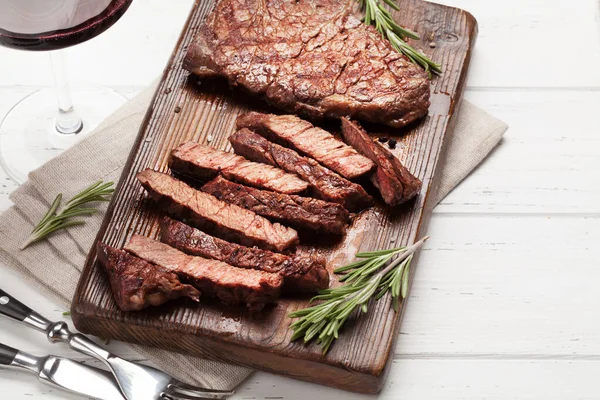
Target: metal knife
64	373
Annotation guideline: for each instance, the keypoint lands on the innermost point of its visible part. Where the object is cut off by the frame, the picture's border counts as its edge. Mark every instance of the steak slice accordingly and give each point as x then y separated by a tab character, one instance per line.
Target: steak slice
300	273
396	184
310	57
325	183
233	286
137	284
225	220
296	211
295	133
205	163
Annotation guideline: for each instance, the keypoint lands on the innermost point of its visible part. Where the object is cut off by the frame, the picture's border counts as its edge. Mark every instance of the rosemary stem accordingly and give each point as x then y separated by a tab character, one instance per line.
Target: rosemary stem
409	251
27	242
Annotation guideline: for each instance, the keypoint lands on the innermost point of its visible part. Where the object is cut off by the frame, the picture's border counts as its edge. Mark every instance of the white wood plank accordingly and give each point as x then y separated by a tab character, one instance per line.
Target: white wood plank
451	379
534	43
548	161
503	294
408	380
7	185
508	286
522	43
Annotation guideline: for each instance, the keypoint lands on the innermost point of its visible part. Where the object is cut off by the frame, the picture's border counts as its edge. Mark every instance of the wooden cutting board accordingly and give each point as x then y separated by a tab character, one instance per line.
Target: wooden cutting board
183	110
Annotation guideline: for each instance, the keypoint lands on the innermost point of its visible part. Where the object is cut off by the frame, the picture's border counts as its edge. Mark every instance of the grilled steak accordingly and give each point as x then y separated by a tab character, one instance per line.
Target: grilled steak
325	183
300	273
231	285
295	133
137	284
296	211
310	57
225	220
396	184
205	163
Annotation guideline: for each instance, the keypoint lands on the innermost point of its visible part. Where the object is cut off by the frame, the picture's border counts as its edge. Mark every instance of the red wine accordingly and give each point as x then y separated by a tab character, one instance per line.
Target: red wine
59	38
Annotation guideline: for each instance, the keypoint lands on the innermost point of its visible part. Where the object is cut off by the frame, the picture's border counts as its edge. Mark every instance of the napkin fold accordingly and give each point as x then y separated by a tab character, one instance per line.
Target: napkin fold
53	266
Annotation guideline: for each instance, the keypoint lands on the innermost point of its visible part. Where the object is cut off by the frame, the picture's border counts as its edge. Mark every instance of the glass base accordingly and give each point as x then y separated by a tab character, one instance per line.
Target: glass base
28	136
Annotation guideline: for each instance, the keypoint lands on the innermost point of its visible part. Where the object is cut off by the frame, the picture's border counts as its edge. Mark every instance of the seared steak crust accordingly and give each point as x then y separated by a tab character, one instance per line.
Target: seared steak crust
225	220
295	133
395	182
231	285
300	273
205	163
137	284
296	211
325	183
310	57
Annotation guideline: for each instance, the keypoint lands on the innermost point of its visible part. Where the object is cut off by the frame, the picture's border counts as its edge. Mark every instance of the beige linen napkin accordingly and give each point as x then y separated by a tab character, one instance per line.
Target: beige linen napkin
54	266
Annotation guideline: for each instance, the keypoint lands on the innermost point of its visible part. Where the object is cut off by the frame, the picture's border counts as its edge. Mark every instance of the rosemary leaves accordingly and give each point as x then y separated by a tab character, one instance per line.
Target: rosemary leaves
363	280
376	14
56	220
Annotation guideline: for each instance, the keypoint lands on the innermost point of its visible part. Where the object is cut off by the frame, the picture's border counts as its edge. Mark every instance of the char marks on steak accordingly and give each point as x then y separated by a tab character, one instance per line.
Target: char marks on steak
395	182
205	211
325	183
295	211
301	273
205	163
310	57
231	285
297	134
137	284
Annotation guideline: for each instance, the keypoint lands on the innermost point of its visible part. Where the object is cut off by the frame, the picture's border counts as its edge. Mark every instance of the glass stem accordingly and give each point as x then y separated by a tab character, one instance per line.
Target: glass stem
67	121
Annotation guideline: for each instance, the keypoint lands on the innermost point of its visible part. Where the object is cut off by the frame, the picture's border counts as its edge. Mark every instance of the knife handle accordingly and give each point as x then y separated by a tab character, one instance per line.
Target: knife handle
7	354
12	308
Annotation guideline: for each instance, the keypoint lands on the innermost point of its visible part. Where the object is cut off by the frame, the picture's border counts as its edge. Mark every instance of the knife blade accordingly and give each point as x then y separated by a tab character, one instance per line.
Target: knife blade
64	373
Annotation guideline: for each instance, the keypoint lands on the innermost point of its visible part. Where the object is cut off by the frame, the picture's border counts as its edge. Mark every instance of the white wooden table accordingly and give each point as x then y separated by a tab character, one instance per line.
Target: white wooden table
505	302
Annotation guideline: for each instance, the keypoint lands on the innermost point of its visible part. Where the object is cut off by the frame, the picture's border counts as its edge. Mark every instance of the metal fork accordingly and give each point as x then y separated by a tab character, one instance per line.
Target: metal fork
136	381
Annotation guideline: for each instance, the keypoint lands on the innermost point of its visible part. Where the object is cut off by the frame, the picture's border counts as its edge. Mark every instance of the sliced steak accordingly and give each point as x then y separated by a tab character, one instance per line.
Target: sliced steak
295	211
137	284
205	163
310	57
205	211
396	184
300	273
325	183
295	133
231	285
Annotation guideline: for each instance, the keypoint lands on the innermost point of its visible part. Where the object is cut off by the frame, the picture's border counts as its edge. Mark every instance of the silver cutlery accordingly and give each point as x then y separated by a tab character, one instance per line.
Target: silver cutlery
136	381
64	373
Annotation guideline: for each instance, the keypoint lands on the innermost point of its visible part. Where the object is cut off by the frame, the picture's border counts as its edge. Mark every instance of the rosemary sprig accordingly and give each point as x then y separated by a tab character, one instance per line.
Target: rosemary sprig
56	220
376	14
367	278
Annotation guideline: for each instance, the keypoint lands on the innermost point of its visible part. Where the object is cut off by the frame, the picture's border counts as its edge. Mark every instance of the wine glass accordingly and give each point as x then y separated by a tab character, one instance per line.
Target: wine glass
48	121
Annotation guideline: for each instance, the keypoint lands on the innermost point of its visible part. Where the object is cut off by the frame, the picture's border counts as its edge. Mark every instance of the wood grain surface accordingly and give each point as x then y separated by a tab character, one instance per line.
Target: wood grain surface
183	110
